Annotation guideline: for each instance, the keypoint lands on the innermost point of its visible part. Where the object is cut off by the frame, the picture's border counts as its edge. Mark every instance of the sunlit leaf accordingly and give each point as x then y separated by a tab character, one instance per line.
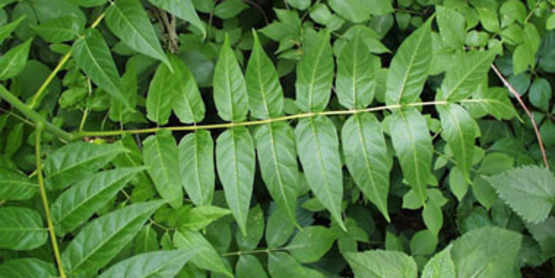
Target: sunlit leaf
196	154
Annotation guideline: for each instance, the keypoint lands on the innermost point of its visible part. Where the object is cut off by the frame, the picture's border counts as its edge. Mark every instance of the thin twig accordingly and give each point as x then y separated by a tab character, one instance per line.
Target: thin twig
523	105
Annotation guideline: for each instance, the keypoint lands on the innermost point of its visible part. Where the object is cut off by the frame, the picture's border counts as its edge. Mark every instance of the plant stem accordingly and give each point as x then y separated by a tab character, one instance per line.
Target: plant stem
34	116
38	136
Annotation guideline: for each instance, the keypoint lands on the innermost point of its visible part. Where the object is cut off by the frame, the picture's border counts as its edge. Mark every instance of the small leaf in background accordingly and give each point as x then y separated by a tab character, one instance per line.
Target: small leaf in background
199	217
93	56
315	74
544	234
13	61
310	244
154	264
409	68
264	90
75	161
392	264
521	187
15	139
206	257
27	267
235	161
60	29
440	265
183	9
255	230
7	29
423	243
433	216
128	21
196	154
161	156
101	240
540	94
21	228
15	186
318	148
249	266
230	89
229	9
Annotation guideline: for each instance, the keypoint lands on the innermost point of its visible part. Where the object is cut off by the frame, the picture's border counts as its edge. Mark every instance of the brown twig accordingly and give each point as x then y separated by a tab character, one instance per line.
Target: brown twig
523	105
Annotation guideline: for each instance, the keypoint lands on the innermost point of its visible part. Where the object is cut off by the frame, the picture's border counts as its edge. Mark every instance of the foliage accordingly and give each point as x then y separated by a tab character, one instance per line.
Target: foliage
294	138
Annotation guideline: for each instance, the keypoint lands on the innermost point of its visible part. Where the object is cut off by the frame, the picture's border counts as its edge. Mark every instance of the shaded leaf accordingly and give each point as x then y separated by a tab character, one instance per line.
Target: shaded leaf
154	264
21	228
15	186
249	266
183	9
26	268
310	244
13	61
199	217
255	230
206	256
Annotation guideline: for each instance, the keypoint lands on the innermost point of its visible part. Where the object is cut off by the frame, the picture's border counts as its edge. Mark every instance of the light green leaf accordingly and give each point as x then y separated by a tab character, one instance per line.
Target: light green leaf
409	68
264	90
94	57
279	228
432	216
544	234
146	240
229	9
382	264
235	161
299	4
249	266
199	217
21	229
462	80
355	11
76	205
277	156
458	183
355	74
452	27
423	243
283	265
318	148
60	29
7	29
88	3
540	94
196	153
154	264
366	158
530	191
440	265
15	186
486	253
460	130
26	268
255	230
206	256
494	101
413	144
128	20
102	239
160	96
161	155
13	61
311	243
187	103
230	89
73	162
183	9
315	74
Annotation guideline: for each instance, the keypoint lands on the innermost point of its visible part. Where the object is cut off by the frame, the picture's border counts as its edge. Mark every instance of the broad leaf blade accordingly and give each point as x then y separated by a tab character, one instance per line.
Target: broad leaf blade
235	160
60	29
409	68
183	9
461	80
76	205
196	153
440	265
15	186
101	240
161	156
13	61
277	156
310	244
187	103
154	264
382	264
230	89
255	230
413	145
128	20
366	158
315	74
318	148
25	268
249	266
160	96
7	29
206	256
21	229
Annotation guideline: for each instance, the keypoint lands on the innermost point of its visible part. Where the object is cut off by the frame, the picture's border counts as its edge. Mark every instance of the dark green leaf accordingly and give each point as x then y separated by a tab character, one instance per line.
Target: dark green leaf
206	256
310	244
21	229
249	266
13	61
154	264
255	230
7	29
199	217
26	268
60	29
15	186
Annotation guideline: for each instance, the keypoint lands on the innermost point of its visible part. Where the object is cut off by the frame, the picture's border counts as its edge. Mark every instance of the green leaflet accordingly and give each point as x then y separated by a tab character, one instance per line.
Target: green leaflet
161	156
199	217
283	265
315	74
13	61
318	148
472	67
530	191
21	228
249	266
196	154
160	96
264	90
101	240
130	87
413	145
154	264
15	186
25	268
255	230
183	9
7	29
452	27
128	21
392	264
355	74
206	256
230	89
440	265
235	161
60	29
310	244
486	253
146	240
94	57
277	156
88	3
409	68
366	158
75	161
494	101
76	205
279	228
